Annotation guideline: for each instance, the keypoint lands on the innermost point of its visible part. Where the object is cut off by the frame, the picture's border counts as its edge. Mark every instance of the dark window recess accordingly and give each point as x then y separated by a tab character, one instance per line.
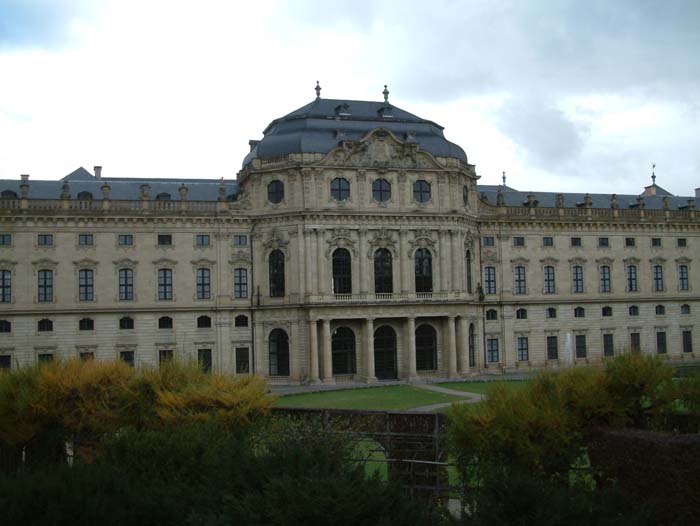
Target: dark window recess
126	239
551	313
547	241
86	324
165	284
240	240
5	240
202	240
240	283
343	351
279	353
242	360
5	326
552	348
630	242
490	280
5	361
203	322
523	349
342	271
521	314
687	341
340	189
489	241
607	311
275	192
127	357
165	356
518	241
426	348
660	310
204	359
492	314
421	191
44	240
203	278
87	356
45	358
634	310
165	322
86	239
580	346
603	242
465	195
165	239
423	270
655	241
608	345
276	273
579	312
383	272
685	309
126	323
381	190
682	242
576	242
635	342
661	342
45	325
492	350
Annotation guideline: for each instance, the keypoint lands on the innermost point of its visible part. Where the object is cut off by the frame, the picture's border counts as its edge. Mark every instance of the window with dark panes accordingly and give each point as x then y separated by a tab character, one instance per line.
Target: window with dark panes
661	342
635	342
204	359
240	321
240	283
608	345
523	349
683	283
489	280
421	191
552	348
125	239
242	360
340	189
165	322
86	324
126	323
86	239
165	284
126	284
44	325
658	272
276	273
549	285
275	192
342	271
279	353
687	341
519	274
86	285
127	357
5	286
165	239
577	278
203	283
343	351
383	272
605	285
580	345
203	322
423	270
631	278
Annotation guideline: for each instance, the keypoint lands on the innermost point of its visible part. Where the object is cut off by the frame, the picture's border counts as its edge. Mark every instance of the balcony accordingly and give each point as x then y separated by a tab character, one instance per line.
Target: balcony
385	297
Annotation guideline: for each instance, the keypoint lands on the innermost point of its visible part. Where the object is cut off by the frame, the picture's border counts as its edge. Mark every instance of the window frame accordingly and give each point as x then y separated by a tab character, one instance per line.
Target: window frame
125	278
125	240
422	191
522	348
5	286
549	281
240	283
683	278
203	283
86	240
45	240
519	280
165	284
657	272
86	284
552	347
202	240
45	285
605	283
381	190
340	189
490	286
164	240
577	284
276	261
275	192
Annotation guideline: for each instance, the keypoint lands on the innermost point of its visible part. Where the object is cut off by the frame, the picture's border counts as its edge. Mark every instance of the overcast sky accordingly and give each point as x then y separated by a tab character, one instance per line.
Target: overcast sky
561	95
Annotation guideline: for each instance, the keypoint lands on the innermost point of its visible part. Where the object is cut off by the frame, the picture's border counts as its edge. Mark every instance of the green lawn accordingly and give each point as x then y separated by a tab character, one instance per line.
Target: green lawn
484	387
391	398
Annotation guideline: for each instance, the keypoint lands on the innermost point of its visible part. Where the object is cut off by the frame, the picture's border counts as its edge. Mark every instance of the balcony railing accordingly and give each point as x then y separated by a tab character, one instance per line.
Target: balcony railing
388	297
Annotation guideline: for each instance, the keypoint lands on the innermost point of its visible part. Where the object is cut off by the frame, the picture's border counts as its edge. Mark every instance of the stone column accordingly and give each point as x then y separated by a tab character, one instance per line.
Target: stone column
463	345
443	257
411	339
313	351
369	350
403	254
364	274
451	348
327	354
320	262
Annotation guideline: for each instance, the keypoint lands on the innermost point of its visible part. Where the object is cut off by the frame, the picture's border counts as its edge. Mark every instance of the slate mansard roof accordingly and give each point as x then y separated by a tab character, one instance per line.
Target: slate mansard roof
319	126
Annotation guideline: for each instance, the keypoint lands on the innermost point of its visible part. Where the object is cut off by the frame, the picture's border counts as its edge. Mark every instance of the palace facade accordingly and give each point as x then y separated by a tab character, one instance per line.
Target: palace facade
355	244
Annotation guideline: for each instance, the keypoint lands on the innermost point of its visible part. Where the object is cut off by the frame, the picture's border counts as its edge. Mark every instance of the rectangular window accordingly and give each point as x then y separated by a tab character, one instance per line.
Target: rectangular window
635	342
549	286
661	342
86	240
45	285
682	242
5	240
127	357
547	241
608	345
204	359
632	278
126	284
240	240
242	360
492	350
489	241
165	284
687	341
125	240
202	240
630	242
658	272
605	278
580	346
683	277
522	349
5	361
44	240
86	285
490	280
603	242
518	241
165	239
203	284
552	348
240	283
655	241
577	278
520	287
576	242
45	358
165	356
5	286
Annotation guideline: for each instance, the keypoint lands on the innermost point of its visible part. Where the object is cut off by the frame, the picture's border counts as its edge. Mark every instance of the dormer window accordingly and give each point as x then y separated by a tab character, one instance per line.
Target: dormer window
84	196
163	196
8	194
342	110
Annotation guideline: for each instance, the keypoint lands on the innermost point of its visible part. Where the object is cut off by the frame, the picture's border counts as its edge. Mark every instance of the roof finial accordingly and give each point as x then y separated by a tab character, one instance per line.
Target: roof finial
504	178
318	90
653	175
386	94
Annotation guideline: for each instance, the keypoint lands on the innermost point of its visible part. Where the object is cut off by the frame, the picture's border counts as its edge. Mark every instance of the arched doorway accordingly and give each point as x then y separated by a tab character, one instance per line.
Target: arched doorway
385	366
343	351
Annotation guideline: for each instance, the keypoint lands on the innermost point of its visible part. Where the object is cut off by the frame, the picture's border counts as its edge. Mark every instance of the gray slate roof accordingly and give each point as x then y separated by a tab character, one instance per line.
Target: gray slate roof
315	128
81	180
512	197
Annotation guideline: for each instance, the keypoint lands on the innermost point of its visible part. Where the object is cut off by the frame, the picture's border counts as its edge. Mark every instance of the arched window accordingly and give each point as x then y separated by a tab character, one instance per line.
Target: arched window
165	322
472	346
84	196
491	314
240	321
607	312
126	323
685	309
383	271
549	284
551	313
605	278
469	271
86	324
631	278
340	189
658	272
203	322
519	279
45	325
521	314
426	348
279	353
465	195
421	191
577	278
5	286
682	277
579	312
276	269
343	351
275	192
342	271
424	270
5	326
8	194
660	310
381	190
163	196
634	310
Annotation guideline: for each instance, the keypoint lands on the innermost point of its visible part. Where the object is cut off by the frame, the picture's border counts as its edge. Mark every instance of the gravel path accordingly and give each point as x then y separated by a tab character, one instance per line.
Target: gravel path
469	398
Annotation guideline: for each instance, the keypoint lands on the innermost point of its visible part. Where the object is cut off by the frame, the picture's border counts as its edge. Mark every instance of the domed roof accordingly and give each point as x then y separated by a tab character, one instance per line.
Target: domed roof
322	124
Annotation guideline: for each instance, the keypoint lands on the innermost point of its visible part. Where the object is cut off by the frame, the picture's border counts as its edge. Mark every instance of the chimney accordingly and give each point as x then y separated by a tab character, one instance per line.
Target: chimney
252	143
25	178
697	192
98	172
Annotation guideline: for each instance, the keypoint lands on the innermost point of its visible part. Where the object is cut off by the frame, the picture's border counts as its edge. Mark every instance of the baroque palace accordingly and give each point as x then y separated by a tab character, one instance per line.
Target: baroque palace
355	244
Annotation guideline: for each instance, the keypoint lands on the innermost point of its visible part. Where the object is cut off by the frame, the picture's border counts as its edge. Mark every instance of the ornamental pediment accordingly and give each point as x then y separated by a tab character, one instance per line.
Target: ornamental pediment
45	263
382	239
380	148
6	263
203	262
631	261
341	239
604	261
577	261
165	262
125	263
275	242
549	261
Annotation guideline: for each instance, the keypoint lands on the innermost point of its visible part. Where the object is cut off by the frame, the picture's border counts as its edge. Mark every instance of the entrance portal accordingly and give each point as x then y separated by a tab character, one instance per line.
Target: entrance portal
385	366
